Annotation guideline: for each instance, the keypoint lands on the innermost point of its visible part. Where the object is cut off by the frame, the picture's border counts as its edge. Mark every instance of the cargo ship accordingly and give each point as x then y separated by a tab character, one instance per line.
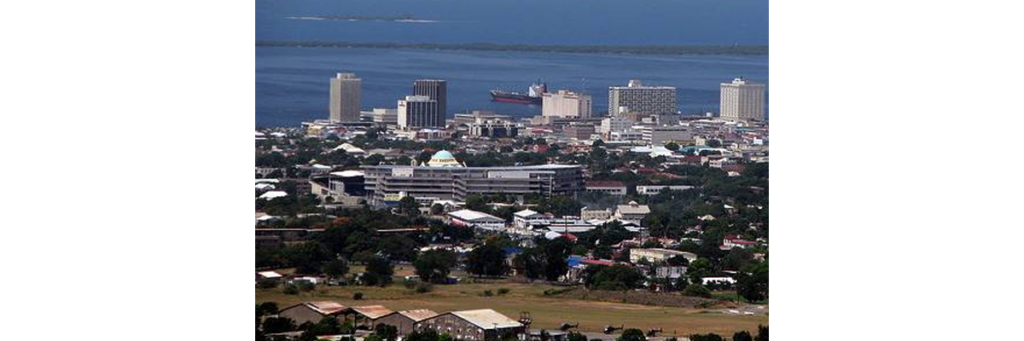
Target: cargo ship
532	97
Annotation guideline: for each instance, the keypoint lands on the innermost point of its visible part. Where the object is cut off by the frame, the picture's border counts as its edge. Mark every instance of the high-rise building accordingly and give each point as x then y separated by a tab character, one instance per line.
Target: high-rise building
345	94
742	100
437	90
647	100
418	112
566	104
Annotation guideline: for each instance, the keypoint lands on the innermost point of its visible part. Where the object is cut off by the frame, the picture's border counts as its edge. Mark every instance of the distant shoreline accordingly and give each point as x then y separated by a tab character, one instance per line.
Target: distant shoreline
746	50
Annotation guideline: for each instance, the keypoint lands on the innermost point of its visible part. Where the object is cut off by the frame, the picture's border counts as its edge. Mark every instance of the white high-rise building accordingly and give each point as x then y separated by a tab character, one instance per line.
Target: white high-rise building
345	97
566	103
742	100
646	100
419	112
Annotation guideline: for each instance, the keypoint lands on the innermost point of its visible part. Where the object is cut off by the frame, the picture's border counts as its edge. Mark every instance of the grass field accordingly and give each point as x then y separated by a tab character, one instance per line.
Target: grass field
547	312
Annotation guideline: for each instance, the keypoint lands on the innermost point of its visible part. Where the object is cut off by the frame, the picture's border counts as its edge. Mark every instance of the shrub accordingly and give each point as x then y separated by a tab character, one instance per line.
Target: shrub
357	296
291	289
409	284
305	286
697	290
424	288
503	291
488	293
706	337
266	284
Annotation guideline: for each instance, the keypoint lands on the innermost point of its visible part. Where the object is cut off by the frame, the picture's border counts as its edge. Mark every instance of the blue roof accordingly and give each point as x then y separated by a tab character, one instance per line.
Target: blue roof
443	155
512	250
575	260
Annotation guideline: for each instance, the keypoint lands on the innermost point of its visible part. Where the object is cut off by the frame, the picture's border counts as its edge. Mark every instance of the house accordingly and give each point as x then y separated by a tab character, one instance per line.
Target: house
473	325
658	255
632	211
607	187
470	218
405	321
312	312
733	241
526	218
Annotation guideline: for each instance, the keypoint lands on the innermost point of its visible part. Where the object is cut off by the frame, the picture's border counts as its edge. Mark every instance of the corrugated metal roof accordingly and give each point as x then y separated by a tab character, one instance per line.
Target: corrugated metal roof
372	311
487	318
326	307
470	215
418	314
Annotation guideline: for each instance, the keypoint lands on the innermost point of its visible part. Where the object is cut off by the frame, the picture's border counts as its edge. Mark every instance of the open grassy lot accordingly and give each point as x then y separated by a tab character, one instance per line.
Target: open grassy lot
547	312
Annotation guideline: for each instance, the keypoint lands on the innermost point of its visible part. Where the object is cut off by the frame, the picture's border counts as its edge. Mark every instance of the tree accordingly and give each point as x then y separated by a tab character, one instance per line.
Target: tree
308	258
434	265
597	143
615	277
487	260
336	268
386	332
632	334
672	146
424	335
678	261
529	263
328	325
556	255
445	337
714	143
700	268
742	336
706	337
278	325
737	258
576	336
752	282
436	209
762	333
378	271
409	207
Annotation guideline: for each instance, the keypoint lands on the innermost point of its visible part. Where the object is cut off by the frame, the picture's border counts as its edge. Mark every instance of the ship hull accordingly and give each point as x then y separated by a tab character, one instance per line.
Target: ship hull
517	99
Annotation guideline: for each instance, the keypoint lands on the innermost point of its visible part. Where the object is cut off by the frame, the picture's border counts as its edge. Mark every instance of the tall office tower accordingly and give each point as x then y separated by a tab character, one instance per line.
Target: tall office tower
566	104
345	94
418	112
646	100
742	100
437	90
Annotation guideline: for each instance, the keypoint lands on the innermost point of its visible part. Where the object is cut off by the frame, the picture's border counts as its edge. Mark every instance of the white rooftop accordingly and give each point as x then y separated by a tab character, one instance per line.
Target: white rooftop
487	319
471	215
348	173
526	213
270	195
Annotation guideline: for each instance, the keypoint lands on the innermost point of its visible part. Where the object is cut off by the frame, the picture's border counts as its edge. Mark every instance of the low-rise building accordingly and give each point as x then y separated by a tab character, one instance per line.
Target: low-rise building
732	241
312	312
405	321
607	187
658	255
526	218
655	189
470	218
660	135
595	214
632	211
474	325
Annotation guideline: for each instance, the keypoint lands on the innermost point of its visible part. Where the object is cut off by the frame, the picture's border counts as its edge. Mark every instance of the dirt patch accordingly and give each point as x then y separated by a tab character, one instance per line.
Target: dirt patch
645	298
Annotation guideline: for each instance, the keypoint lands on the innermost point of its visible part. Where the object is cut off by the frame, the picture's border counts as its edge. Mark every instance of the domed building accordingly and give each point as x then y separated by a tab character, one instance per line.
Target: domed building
443	158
